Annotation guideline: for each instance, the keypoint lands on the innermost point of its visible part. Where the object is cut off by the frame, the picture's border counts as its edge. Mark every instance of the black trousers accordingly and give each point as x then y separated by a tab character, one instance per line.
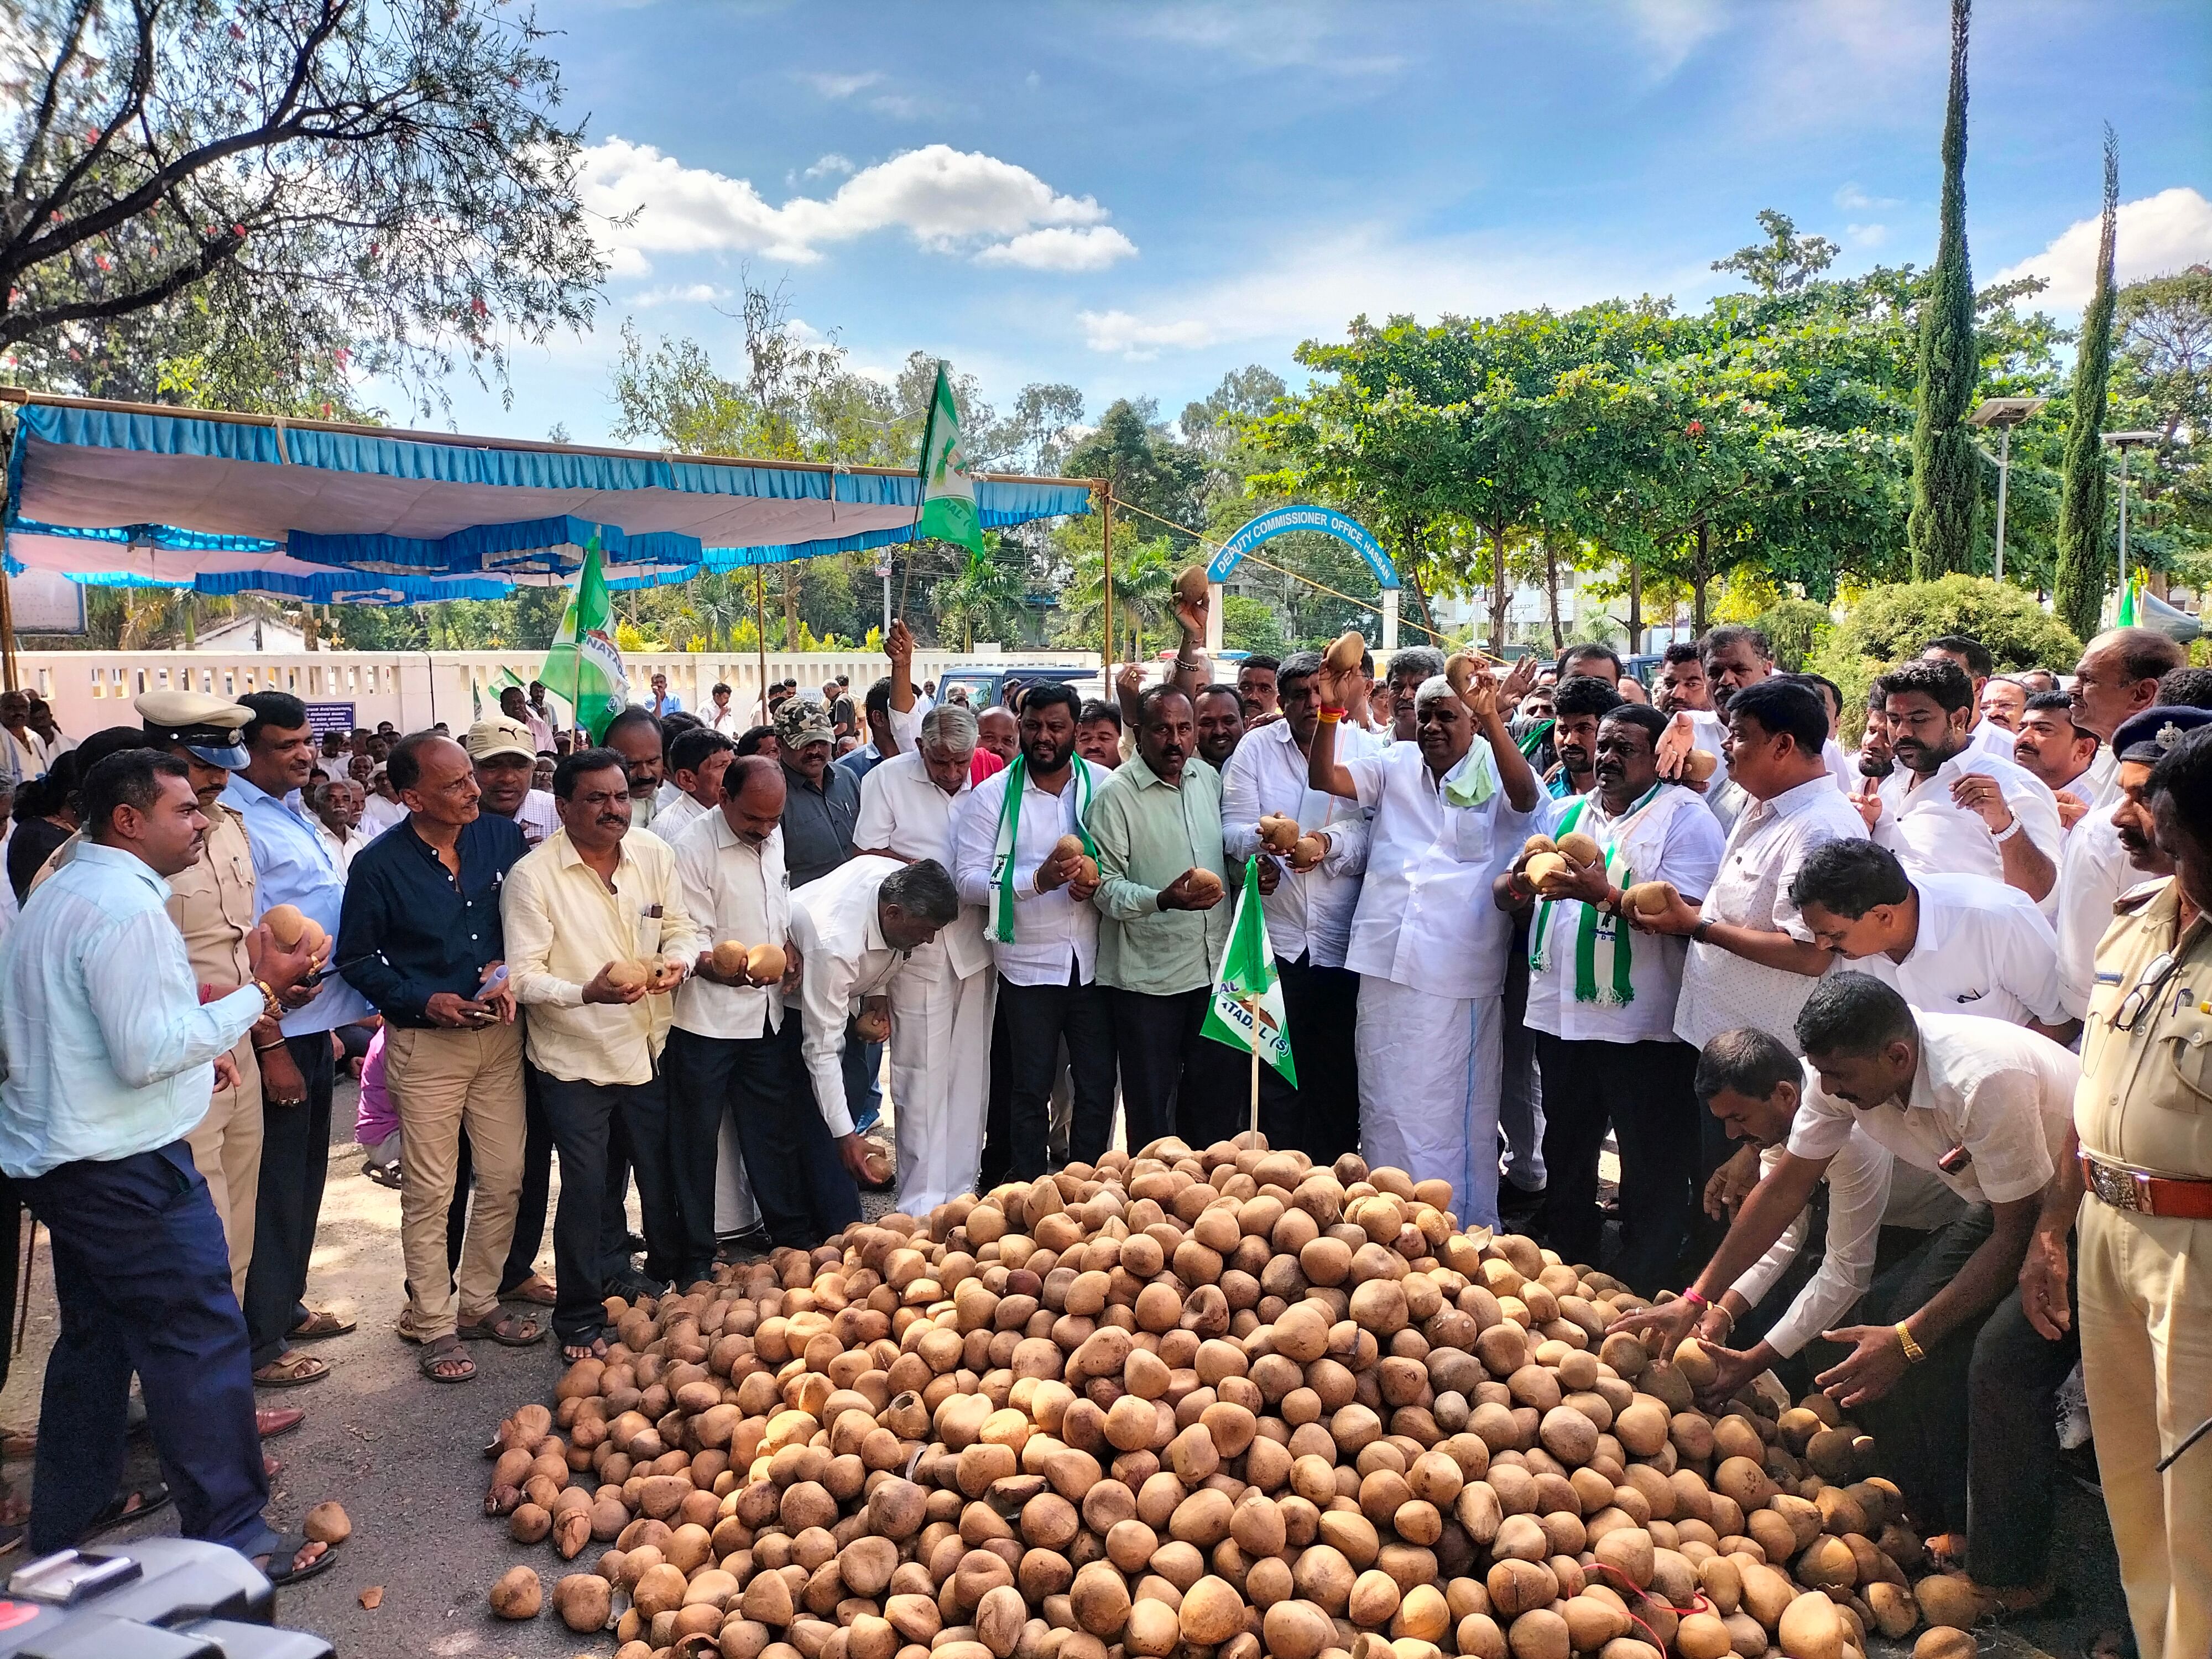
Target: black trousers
803	1188
142	1276
1974	1423
1644	1090
1030	1024
530	1207
296	1155
1175	1081
1320	1116
587	1251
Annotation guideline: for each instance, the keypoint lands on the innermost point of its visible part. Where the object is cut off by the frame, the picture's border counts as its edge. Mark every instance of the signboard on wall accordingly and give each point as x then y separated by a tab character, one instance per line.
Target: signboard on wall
331	717
45	602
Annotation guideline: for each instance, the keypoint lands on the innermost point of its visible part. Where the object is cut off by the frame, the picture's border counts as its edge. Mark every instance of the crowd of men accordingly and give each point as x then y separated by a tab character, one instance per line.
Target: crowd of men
1862	1028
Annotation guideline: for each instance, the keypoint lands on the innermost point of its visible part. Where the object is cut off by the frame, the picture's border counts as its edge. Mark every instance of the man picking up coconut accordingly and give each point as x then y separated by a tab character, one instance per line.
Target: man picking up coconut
1942	1367
1429	947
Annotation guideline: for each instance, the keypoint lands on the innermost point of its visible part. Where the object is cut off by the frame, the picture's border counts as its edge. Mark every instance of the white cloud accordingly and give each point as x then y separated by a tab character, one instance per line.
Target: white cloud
832	85
680	293
1672	29
2157	234
1092	247
1338	272
830	165
1853	200
1275	37
947	199
1866	235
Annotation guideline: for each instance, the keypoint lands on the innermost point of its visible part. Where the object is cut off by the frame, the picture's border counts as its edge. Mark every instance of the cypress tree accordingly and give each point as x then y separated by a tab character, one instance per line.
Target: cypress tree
1945	471
2078	584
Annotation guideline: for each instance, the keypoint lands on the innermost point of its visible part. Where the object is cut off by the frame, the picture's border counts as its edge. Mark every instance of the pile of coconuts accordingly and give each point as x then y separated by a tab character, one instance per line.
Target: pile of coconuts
1187	1405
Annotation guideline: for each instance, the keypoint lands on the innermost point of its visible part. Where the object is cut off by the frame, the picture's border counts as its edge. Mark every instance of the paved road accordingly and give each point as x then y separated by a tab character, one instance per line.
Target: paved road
404	1457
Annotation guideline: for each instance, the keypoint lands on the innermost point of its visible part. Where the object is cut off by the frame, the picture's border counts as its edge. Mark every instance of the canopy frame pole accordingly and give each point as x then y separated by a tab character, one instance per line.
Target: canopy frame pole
7	635
760	627
1105	487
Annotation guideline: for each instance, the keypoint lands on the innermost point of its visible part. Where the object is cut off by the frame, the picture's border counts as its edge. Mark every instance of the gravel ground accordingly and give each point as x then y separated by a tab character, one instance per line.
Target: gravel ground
406	1458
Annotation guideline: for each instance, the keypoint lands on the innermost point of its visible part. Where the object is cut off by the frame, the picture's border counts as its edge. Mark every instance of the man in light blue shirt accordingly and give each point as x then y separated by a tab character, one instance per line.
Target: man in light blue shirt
292	865
111	1058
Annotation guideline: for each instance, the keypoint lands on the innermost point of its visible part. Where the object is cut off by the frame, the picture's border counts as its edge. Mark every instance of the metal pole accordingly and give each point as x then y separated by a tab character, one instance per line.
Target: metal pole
7	635
760	625
2005	475
2123	448
887	601
1106	570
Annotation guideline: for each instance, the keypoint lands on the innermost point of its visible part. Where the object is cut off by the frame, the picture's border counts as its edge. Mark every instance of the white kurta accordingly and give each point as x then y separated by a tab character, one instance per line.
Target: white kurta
941	1003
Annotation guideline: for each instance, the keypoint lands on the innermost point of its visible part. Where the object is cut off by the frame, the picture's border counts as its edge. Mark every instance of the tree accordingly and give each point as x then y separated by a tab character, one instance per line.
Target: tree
1946	476
985	599
1783	262
1150	470
384	188
1248	624
2078	585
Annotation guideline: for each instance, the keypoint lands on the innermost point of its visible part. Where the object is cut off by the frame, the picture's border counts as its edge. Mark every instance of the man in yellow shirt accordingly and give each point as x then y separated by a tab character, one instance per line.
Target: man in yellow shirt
598	934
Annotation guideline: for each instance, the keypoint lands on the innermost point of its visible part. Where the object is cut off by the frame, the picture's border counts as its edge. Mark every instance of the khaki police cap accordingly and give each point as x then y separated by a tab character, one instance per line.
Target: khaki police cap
207	726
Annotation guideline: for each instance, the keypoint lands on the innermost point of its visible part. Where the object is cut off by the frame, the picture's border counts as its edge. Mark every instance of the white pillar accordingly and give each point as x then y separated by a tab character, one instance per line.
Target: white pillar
1215	597
1389	619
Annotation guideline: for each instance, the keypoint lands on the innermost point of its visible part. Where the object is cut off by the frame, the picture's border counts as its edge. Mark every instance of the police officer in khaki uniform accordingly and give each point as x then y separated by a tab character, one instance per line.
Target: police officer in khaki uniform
2143	1135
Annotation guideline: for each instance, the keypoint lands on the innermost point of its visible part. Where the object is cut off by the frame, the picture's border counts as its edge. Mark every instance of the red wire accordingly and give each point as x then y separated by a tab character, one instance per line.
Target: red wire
1702	1605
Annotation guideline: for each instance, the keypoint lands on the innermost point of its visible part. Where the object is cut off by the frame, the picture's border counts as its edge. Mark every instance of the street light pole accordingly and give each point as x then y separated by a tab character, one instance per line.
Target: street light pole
2123	441
2004	477
2004	413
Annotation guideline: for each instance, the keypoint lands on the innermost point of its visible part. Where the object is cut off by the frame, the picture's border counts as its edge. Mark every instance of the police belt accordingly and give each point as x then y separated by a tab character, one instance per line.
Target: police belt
2186	1198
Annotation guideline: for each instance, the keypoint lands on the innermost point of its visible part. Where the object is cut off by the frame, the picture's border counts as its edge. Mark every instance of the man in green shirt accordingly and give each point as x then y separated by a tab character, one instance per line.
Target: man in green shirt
1163	880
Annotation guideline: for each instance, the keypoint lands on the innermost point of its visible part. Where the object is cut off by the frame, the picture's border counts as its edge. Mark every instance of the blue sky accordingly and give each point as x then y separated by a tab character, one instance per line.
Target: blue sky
1137	199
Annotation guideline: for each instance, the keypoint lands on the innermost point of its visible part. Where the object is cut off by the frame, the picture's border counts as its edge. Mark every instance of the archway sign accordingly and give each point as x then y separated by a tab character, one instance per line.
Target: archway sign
1280	522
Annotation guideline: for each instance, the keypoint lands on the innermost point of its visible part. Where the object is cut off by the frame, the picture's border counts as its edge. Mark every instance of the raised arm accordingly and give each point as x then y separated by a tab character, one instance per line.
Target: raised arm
1322	771
1523	792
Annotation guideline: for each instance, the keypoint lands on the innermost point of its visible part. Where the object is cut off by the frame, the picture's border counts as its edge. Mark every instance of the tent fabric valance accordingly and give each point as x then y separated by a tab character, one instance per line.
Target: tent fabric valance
341	514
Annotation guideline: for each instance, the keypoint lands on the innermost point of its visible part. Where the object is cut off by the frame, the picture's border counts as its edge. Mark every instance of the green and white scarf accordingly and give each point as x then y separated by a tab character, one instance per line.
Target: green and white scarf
1002	849
1601	947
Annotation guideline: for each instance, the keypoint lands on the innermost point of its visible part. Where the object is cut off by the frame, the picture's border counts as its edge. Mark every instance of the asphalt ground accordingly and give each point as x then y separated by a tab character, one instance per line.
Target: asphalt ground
404	1456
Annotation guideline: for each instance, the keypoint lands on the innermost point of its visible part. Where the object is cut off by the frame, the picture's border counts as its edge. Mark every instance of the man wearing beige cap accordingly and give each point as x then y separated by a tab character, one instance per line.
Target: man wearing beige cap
501	747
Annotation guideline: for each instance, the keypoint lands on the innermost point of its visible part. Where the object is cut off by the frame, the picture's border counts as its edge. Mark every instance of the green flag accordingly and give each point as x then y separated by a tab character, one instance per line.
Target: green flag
948	494
582	664
2126	618
1247	982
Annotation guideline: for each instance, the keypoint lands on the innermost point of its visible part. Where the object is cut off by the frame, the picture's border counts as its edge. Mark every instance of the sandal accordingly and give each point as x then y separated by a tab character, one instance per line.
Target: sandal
534	1291
509	1330
278	1569
132	1503
294	1371
575	1352
447	1351
383	1175
321	1323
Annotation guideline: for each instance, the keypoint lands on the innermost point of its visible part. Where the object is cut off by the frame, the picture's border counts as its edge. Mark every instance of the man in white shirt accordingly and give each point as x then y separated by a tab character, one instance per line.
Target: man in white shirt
856	928
724	716
2113	685
505	763
1944	1368
1951	944
1043	934
1308	914
1949	809
2003	700
23	751
1751	959
381	808
2058	754
1449	813
697	760
733	1058
516	707
1972	659
336	804
942	1001
1602	1002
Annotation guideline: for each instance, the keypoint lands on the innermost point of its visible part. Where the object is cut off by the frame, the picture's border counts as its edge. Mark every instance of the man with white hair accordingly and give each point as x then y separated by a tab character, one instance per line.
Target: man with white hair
941	1004
1448	814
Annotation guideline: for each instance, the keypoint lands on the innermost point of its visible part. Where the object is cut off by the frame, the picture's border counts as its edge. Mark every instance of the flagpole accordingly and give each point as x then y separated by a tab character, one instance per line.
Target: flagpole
1106	572
920	495
1252	1007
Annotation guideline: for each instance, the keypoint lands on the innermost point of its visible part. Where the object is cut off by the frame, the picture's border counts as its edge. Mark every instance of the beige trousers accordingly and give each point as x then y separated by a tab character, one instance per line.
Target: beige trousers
440	1080
2145	1306
227	1150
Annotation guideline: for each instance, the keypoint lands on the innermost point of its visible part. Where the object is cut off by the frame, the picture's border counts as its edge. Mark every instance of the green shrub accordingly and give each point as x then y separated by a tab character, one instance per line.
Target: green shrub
1891	624
1249	624
1795	628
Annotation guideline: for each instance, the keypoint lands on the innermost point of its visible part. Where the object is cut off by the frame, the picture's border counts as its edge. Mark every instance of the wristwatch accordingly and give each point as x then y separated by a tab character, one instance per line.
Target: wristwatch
1699	933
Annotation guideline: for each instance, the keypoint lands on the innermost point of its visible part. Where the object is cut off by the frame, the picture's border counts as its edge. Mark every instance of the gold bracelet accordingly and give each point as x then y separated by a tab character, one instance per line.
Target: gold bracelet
271	1008
1914	1353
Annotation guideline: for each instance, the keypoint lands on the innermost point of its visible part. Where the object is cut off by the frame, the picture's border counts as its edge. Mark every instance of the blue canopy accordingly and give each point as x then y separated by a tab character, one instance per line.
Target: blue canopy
126	493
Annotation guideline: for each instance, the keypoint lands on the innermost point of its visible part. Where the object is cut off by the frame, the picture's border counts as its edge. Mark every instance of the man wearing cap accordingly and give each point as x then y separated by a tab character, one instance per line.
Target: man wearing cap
501	749
2141	1145
291	866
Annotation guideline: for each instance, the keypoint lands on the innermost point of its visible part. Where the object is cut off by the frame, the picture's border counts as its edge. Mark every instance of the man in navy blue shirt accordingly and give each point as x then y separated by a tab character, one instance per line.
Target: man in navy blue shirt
421	938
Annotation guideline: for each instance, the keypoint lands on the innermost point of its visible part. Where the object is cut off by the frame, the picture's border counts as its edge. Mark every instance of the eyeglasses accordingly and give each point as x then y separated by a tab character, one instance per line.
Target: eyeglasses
2148	983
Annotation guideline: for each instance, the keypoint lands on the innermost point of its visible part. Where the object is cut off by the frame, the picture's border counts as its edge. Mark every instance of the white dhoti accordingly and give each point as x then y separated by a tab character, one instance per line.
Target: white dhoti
940	1076
1429	1068
735	1211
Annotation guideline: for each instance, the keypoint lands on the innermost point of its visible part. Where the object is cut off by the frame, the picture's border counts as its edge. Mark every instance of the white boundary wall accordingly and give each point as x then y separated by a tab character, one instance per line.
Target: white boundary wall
91	689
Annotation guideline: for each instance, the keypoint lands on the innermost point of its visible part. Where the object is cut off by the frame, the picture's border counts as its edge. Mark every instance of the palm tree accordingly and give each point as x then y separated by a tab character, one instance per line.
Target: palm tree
985	597
1144	593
